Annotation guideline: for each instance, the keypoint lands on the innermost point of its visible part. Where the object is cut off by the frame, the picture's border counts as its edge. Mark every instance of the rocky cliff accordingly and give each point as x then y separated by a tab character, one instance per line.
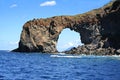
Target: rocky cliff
99	30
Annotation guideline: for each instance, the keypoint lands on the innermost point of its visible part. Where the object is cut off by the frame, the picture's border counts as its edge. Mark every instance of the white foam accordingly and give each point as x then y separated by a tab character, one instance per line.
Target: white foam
115	55
66	56
83	56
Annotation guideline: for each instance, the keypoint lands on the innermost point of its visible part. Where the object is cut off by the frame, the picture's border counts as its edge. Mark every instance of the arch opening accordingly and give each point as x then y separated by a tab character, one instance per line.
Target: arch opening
68	39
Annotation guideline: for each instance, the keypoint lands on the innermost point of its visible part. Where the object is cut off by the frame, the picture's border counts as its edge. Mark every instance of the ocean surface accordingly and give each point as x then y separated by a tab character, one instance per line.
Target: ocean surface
36	66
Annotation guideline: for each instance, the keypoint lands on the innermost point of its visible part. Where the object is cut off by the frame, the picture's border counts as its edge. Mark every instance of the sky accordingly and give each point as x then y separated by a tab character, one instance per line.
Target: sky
14	13
66	41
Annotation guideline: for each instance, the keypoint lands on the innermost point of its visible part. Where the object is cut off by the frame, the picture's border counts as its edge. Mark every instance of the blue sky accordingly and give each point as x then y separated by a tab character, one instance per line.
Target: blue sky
68	39
14	13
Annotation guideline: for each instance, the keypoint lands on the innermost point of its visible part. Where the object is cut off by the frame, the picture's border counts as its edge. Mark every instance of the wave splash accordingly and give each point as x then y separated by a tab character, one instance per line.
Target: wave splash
62	55
66	56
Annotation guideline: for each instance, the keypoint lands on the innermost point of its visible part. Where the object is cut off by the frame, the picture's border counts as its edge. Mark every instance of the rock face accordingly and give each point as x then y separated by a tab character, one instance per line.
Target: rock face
99	30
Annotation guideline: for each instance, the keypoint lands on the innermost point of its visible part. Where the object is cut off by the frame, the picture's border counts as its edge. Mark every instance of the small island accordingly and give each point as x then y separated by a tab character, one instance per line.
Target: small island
99	30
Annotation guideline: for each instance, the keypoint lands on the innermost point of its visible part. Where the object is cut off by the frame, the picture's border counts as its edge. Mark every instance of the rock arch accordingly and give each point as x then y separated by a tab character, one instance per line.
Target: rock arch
41	35
98	32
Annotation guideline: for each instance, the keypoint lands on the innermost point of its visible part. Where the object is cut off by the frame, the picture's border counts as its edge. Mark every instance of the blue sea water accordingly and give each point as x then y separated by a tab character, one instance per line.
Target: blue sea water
36	66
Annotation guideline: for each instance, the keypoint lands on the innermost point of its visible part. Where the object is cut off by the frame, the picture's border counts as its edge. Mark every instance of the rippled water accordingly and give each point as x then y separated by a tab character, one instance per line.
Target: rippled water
36	66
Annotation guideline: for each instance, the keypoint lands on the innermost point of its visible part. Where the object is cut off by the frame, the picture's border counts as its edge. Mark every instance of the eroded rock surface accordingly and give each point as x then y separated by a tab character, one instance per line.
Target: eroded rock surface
99	30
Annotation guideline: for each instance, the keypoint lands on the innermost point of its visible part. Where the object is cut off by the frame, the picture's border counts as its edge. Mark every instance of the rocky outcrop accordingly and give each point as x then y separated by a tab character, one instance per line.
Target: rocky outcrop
99	30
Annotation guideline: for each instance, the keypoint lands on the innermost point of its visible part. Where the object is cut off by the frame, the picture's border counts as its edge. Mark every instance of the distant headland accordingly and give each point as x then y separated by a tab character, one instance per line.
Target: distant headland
99	30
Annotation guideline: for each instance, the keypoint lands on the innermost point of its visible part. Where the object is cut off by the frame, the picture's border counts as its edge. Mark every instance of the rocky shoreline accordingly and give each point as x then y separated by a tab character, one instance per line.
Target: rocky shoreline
98	51
99	30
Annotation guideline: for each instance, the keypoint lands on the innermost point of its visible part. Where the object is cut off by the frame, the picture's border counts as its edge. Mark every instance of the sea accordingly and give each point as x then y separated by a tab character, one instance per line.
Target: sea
39	66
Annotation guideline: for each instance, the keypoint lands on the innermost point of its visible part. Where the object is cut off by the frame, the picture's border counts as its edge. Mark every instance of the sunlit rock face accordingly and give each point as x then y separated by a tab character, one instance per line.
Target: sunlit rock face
99	30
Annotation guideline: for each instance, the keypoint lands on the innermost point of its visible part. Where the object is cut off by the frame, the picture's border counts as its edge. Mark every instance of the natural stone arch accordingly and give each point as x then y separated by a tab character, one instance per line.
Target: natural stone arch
41	35
99	32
